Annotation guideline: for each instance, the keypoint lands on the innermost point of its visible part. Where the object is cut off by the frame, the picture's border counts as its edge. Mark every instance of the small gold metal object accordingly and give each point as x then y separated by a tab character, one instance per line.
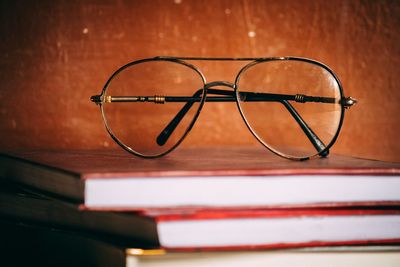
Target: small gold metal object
158	99
108	99
299	98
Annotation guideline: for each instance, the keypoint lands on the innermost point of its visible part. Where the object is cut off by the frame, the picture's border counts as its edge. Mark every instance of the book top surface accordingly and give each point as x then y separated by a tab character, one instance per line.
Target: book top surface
199	162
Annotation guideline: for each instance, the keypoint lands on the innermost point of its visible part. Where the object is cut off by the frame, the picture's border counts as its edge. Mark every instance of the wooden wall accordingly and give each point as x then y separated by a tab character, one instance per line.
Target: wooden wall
55	54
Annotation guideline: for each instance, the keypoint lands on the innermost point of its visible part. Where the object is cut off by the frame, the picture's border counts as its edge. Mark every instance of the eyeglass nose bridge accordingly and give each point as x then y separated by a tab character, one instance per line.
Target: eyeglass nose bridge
219	83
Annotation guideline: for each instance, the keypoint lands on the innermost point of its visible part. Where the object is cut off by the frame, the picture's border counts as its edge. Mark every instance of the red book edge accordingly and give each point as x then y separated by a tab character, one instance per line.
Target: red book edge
192	209
267	213
394	241
279	213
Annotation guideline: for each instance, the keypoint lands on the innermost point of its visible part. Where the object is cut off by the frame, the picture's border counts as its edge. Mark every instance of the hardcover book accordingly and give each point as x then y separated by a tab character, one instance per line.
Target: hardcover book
203	178
210	230
53	247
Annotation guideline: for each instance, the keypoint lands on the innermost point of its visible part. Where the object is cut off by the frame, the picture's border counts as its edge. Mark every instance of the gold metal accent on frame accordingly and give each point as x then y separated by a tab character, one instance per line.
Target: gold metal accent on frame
158	99
299	98
349	102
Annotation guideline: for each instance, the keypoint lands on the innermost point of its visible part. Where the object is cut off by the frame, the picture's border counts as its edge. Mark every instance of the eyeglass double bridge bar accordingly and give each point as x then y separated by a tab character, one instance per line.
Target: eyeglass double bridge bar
243	96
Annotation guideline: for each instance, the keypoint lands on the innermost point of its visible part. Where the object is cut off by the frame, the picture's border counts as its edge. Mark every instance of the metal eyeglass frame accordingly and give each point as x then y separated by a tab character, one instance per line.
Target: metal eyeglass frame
226	96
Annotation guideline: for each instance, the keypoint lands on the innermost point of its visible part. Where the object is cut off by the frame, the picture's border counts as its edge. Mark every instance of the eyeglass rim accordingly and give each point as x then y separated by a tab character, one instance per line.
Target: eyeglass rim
253	61
301	59
191	124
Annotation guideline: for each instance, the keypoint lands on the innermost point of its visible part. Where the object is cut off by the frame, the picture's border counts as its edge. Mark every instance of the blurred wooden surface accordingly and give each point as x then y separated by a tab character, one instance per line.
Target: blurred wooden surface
55	54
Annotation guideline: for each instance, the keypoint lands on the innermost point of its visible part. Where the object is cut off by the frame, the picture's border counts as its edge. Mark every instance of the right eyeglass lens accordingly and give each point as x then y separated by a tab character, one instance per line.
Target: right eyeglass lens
291	106
146	97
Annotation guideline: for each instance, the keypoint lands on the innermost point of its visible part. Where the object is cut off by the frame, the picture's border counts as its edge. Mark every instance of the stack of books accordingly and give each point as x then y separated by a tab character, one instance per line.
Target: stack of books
202	206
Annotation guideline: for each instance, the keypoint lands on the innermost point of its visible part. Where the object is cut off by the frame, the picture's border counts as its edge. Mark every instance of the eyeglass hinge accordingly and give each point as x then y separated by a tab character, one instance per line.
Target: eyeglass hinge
348	102
97	99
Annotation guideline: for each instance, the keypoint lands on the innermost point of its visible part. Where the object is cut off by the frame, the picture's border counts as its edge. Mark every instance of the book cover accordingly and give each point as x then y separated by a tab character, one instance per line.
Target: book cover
203	178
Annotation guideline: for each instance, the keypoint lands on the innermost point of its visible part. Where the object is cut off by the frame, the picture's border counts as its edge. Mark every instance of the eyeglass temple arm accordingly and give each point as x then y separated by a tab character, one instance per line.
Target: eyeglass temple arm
249	96
162	138
315	141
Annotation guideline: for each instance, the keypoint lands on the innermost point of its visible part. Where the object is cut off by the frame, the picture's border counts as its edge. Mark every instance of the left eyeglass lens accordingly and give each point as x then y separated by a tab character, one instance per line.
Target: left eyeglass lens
145	98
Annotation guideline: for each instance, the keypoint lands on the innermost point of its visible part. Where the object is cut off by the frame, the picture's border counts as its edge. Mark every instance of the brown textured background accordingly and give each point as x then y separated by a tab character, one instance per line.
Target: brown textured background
55	54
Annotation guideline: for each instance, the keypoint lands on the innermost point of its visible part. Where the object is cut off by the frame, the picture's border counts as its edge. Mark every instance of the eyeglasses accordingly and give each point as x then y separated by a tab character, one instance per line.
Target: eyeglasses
293	106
